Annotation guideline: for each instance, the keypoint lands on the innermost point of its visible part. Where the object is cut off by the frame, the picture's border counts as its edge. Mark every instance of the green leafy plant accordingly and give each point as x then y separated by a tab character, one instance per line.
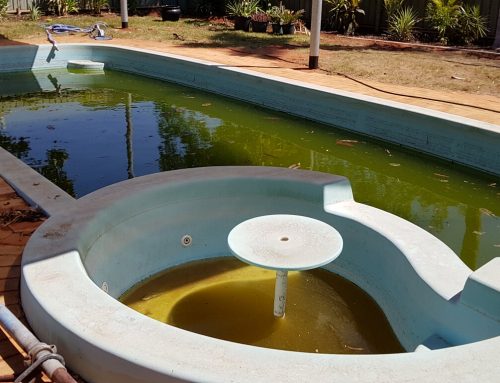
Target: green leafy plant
242	8
275	12
344	15
3	8
443	15
34	12
97	5
472	24
72	6
392	6
454	23
291	17
401	24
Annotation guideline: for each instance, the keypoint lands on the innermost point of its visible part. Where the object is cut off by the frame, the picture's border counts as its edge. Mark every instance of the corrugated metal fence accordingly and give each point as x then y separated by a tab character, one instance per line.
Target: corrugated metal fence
373	21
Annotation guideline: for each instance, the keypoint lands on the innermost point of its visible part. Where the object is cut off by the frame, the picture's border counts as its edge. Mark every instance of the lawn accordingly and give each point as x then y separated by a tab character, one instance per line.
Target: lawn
364	59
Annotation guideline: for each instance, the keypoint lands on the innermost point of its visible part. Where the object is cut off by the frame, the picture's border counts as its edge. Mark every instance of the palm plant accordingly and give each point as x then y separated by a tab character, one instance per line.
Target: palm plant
402	23
472	24
456	23
444	15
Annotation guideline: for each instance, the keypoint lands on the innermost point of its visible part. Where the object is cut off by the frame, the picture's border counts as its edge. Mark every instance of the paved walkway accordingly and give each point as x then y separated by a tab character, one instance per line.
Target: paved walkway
17	222
482	107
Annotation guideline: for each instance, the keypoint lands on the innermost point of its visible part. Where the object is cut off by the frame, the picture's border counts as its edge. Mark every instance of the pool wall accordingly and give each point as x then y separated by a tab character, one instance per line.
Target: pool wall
458	139
82	258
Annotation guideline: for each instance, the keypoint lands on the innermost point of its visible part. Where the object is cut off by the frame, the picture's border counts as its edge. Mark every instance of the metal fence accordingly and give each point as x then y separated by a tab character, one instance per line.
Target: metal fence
373	21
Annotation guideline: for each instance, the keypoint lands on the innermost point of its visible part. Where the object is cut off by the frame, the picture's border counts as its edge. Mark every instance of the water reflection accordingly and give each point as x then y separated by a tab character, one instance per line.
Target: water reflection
76	138
54	170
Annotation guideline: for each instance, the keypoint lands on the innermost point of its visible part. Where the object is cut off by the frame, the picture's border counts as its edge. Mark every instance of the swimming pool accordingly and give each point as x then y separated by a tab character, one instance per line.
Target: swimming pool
84	131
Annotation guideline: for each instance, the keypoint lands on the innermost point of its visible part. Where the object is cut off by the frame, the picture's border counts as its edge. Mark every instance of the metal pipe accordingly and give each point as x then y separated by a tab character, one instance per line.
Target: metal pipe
54	369
315	34
124	13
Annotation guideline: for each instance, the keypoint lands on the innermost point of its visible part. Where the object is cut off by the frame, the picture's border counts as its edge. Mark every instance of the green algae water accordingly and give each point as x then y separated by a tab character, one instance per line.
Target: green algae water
227	299
85	131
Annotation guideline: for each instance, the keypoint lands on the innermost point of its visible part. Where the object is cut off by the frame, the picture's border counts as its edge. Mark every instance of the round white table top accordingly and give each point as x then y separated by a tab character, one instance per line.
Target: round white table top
285	242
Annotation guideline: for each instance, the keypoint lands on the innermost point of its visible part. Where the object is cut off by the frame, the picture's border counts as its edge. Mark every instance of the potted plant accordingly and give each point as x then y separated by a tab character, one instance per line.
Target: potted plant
283	20
242	10
274	13
260	20
289	19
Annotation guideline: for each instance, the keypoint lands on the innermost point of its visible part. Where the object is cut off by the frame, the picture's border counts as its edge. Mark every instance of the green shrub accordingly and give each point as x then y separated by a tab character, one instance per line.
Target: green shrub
472	25
455	23
392	6
344	15
34	12
3	8
401	24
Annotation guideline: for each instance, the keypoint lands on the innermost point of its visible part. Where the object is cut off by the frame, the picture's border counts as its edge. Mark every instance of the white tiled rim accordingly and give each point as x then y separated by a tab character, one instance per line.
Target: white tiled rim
123	233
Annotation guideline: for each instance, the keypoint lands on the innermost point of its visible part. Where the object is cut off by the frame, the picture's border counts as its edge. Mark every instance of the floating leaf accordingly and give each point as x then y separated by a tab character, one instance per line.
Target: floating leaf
148	297
344	143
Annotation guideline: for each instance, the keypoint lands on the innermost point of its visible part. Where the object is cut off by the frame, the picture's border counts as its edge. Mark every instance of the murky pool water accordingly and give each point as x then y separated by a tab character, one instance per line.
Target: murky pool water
86	131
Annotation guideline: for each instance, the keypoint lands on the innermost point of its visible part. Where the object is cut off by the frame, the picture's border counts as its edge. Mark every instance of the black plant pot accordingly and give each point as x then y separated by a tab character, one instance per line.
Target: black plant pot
170	12
288	29
277	28
242	23
259	26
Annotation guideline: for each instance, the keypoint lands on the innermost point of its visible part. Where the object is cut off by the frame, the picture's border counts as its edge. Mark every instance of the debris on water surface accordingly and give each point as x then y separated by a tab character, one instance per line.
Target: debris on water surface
346	142
486	212
441	175
394	164
148	297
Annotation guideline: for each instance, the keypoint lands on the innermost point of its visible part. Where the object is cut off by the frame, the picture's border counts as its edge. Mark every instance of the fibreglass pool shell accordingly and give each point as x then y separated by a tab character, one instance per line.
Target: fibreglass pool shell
83	258
454	138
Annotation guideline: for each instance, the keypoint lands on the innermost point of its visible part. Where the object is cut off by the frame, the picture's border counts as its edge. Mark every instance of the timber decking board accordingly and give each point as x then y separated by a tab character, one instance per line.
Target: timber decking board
15	230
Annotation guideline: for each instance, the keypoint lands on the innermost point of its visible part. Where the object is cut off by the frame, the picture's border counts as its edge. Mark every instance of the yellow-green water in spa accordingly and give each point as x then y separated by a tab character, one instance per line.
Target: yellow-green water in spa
227	299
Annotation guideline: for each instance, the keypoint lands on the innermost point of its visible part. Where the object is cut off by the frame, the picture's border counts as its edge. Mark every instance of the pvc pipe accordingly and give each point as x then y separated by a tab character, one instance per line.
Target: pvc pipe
315	33
124	13
280	291
25	338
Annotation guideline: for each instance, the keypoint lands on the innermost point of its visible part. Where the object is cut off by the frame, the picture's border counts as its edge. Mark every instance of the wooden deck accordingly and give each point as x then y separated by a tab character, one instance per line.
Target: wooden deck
17	222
